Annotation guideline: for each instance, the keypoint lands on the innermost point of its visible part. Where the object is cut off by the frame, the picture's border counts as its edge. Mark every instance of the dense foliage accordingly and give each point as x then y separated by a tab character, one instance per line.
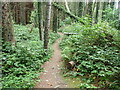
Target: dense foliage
111	16
96	53
21	63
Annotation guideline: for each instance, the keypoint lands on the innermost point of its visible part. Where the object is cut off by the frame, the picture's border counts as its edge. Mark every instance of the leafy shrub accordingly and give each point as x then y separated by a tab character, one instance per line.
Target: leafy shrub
96	51
21	63
67	20
53	36
111	16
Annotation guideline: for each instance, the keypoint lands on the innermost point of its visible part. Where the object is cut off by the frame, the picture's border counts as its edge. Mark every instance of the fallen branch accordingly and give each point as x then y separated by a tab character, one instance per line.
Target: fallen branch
66	33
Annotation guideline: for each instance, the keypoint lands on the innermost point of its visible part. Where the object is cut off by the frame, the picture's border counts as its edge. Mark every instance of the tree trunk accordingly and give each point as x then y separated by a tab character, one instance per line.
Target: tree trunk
94	12
55	12
7	26
119	15
47	24
89	12
66	4
59	17
80	9
116	4
97	8
100	11
0	26
22	13
17	12
39	20
85	8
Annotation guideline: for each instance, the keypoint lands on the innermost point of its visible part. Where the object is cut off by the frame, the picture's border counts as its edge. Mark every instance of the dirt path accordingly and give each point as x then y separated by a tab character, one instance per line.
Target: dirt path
51	77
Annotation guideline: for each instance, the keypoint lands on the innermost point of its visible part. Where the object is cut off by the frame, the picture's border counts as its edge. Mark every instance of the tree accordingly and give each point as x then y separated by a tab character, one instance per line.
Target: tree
66	4
116	4
39	20
23	18
7	26
16	10
55	19
47	24
100	11
119	10
71	15
80	9
21	12
89	11
85	8
0	26
94	11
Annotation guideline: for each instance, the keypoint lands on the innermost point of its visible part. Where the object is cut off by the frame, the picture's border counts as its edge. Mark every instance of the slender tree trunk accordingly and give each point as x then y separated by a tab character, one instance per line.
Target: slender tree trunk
80	9
97	8
116	4
47	24
100	11
94	13
39	20
89	12
17	20
0	26
59	17
15	12
7	26
22	13
119	15
55	12
43	15
66	4
85	8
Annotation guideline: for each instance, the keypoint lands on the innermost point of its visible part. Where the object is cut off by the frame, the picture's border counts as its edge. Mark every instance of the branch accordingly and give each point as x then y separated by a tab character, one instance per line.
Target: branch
66	4
60	8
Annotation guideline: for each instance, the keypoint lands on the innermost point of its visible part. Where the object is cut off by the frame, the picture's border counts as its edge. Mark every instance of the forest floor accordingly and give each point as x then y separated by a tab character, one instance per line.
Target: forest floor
51	77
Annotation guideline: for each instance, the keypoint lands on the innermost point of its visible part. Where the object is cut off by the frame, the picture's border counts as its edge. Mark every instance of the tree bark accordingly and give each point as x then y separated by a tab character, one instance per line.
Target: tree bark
39	20
66	4
97	8
80	9
85	8
17	12
94	12
7	26
119	15
23	13
0	27
55	19
100	11
59	17
47	24
116	4
89	12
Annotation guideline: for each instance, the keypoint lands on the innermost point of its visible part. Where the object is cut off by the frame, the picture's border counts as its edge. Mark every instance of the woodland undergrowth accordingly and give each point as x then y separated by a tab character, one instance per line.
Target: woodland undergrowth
95	52
21	63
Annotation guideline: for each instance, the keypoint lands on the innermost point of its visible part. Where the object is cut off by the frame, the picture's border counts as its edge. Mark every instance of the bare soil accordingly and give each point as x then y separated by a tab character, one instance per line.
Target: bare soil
51	77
